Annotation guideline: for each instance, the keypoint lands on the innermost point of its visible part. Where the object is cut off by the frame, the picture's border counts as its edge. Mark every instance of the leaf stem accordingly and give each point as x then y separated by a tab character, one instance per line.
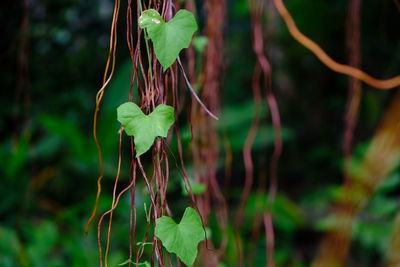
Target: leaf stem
194	92
146	40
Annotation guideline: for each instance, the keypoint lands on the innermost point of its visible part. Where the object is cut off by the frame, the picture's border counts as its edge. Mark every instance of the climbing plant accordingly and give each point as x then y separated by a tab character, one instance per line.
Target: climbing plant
150	120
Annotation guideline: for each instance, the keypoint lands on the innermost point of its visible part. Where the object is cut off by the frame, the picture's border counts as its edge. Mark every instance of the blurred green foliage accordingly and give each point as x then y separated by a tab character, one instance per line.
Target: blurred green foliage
48	160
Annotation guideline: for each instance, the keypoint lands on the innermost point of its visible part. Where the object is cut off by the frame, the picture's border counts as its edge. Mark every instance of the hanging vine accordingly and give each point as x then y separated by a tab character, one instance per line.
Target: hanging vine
164	76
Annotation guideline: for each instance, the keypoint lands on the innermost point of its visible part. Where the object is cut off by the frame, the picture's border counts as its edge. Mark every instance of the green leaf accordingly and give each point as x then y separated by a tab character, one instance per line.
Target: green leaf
183	238
168	38
200	43
197	188
145	128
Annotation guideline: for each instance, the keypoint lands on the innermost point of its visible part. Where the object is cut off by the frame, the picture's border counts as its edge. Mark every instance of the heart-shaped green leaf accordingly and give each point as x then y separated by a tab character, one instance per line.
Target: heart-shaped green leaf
145	128
183	238
168	38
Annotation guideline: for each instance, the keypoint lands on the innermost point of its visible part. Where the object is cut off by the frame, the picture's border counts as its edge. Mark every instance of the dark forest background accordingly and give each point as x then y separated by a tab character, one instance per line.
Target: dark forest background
52	67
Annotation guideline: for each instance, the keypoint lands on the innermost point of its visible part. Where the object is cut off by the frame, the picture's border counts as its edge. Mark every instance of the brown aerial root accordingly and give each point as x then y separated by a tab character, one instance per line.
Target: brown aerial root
397	3
327	60
22	94
106	79
114	196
